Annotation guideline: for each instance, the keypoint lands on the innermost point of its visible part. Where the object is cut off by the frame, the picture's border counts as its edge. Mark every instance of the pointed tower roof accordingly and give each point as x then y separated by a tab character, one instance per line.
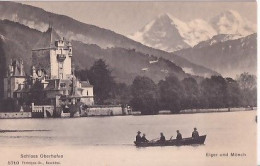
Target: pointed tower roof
47	40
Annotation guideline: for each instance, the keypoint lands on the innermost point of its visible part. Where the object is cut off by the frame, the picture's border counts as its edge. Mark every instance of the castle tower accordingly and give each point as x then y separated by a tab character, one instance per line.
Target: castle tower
53	55
61	60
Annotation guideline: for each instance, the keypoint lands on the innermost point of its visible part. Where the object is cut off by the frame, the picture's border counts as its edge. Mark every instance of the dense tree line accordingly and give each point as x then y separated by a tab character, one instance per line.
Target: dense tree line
171	93
149	97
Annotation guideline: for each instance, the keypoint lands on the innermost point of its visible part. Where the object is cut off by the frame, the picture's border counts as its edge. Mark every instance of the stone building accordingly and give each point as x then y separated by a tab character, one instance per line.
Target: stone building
52	67
15	78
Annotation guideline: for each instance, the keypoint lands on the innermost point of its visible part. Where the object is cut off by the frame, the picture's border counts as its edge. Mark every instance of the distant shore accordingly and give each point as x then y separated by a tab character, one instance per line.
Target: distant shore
209	110
190	111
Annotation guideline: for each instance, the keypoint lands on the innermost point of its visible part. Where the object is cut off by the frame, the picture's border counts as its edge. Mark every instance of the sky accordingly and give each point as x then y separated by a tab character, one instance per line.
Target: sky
128	17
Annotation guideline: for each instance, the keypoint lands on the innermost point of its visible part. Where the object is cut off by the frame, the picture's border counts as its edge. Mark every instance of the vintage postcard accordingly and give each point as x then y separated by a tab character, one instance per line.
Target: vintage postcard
128	83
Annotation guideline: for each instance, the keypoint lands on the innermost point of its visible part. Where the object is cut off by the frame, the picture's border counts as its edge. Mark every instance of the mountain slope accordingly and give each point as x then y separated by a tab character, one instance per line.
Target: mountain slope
89	34
126	64
229	58
17	41
217	39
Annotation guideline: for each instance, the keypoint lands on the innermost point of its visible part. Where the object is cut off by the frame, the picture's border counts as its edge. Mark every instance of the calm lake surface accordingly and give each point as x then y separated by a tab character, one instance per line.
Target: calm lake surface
108	141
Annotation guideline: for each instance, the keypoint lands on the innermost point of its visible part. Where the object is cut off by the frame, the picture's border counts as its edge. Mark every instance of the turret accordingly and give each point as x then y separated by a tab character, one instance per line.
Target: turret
33	71
11	68
34	75
21	68
69	49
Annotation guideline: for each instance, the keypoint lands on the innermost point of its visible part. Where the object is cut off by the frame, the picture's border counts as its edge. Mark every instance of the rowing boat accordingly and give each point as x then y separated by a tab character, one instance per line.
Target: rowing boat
174	142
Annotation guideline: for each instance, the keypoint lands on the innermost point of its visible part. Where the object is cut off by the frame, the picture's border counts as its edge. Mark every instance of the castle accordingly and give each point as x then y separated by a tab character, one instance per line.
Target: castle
52	67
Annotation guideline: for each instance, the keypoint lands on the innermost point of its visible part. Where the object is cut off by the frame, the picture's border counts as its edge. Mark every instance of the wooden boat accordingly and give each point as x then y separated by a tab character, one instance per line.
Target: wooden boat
174	142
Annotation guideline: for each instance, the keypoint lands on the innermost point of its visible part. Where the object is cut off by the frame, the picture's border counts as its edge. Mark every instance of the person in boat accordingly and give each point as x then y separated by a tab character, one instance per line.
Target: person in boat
195	133
138	137
143	139
179	136
162	138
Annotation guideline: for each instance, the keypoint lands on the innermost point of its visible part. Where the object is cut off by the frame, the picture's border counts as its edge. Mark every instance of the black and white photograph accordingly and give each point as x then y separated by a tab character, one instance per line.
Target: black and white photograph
128	83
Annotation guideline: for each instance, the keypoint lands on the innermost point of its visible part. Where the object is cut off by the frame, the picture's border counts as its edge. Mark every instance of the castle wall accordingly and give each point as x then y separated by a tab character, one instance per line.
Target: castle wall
87	100
87	95
13	115
54	63
67	63
87	91
42	111
103	111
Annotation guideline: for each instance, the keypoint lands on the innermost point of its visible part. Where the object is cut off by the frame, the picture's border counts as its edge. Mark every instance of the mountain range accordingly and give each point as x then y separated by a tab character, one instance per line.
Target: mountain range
203	48
88	35
227	54
170	34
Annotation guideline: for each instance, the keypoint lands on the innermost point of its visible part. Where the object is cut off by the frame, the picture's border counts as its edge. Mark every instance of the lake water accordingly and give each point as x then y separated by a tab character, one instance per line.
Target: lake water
108	141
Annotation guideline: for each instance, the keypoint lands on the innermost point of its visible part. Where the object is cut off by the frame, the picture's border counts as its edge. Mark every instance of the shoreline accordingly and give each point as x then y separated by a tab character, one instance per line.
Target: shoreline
164	112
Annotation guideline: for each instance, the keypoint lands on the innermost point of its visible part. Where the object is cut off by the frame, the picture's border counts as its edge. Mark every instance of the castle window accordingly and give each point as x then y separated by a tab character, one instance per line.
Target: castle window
60	70
60	65
61	76
62	85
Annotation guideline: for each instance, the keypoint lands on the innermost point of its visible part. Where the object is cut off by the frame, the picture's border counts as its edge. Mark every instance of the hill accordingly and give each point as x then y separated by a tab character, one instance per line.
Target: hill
17	41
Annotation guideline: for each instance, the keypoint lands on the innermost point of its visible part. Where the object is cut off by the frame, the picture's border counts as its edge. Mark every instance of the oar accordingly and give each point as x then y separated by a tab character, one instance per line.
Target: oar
171	138
154	139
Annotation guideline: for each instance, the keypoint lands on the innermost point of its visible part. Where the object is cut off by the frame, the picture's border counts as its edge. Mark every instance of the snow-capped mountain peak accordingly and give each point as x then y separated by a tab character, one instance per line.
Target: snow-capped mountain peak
169	33
162	33
231	22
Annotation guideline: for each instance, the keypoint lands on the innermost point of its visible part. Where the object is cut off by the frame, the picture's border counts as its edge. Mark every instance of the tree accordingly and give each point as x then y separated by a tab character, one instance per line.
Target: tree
247	84
191	93
121	94
2	68
100	77
171	94
214	92
9	105
233	93
145	96
36	94
82	74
